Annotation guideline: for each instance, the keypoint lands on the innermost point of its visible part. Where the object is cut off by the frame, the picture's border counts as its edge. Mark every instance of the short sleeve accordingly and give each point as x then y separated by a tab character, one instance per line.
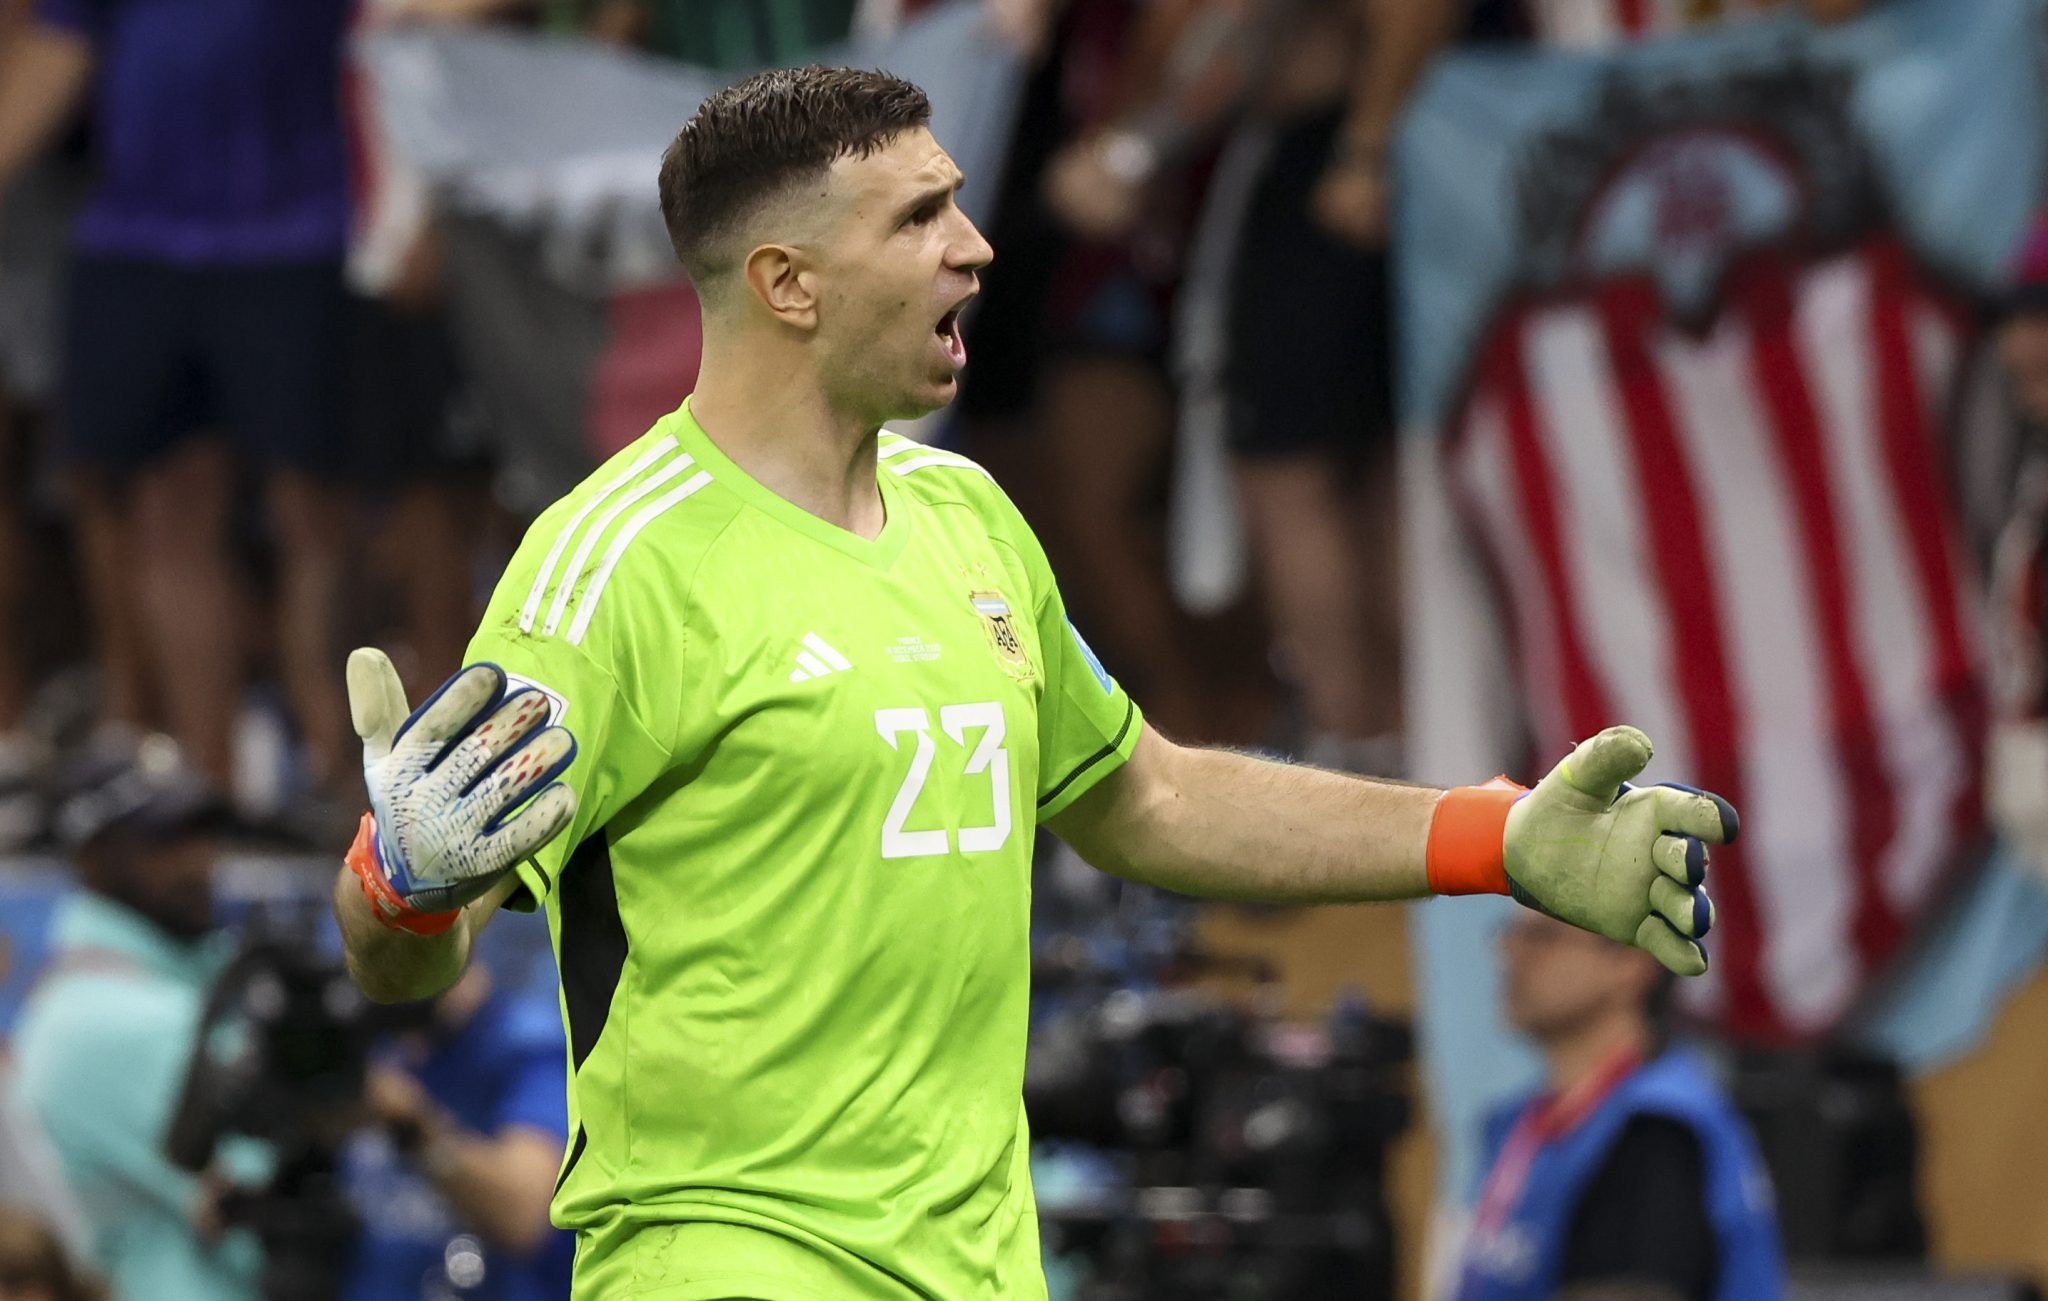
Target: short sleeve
1087	723
617	757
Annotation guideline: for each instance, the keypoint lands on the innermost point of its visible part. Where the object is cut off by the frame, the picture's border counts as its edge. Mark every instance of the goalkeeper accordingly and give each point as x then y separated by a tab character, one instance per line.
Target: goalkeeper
764	715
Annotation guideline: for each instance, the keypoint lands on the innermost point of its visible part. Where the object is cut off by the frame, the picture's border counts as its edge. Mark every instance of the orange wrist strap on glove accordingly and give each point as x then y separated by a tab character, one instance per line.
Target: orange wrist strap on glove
385	902
1467	838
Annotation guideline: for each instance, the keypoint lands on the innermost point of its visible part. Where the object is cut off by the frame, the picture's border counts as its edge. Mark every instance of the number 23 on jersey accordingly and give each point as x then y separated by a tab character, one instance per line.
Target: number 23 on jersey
978	730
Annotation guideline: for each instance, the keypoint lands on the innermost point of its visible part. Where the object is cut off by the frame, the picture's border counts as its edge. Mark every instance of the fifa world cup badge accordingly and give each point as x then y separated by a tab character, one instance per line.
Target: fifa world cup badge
1002	634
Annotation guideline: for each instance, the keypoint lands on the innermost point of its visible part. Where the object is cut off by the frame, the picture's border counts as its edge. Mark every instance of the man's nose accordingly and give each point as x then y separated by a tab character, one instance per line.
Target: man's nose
971	249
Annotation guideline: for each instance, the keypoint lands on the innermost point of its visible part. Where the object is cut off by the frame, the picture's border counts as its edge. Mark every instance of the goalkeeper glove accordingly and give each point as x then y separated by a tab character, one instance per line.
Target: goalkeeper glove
1586	847
444	781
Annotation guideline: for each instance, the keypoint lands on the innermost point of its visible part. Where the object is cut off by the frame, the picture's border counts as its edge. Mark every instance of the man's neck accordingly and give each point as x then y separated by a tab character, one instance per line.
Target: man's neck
776	422
1574	1059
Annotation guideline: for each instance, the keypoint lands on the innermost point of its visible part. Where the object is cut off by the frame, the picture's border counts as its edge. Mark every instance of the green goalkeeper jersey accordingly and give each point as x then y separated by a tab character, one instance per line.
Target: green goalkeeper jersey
791	914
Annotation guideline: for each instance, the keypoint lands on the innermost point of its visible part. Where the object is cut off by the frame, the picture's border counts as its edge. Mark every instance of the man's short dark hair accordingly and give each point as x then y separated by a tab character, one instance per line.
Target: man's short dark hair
753	140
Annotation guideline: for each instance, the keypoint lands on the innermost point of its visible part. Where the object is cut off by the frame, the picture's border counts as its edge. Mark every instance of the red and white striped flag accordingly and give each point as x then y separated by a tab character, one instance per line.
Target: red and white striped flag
1741	541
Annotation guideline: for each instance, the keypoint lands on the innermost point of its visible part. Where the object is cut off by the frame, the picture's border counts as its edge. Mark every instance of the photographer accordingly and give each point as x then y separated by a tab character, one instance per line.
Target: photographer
453	1183
104	1039
1630	1176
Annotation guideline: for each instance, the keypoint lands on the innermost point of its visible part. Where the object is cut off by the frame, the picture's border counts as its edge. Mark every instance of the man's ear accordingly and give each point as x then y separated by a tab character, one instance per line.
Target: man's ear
783	280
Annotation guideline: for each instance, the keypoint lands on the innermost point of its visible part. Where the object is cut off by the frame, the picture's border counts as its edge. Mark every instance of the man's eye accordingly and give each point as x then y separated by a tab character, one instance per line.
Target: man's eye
924	216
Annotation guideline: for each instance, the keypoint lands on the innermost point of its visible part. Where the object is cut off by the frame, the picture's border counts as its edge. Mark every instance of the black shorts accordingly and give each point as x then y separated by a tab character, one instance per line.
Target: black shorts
403	398
1310	352
155	351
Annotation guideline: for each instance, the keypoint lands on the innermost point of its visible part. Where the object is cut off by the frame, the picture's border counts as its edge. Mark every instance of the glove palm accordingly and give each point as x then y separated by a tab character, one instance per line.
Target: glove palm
445	780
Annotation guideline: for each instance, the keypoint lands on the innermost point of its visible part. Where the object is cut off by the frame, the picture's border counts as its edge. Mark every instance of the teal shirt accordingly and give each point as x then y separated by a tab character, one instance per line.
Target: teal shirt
100	1055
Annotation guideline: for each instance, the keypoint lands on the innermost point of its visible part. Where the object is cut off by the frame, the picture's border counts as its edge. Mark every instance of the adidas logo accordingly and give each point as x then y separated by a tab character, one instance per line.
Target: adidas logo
816	660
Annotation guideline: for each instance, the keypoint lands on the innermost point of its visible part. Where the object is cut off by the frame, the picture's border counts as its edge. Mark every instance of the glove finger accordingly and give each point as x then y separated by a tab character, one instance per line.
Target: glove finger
493	742
456	707
376	700
1690	911
1695	813
1682	858
523	836
524	770
1679	955
1599	765
1731	822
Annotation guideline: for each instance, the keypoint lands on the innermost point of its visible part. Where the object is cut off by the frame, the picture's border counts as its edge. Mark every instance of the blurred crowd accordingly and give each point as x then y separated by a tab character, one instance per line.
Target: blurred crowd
236	438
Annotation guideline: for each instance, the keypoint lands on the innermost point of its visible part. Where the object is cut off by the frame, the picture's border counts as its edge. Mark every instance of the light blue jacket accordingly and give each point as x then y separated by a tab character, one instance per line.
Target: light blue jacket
100	1055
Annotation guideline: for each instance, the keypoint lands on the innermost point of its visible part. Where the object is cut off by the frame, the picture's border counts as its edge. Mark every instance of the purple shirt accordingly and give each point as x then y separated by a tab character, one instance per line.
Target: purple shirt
219	127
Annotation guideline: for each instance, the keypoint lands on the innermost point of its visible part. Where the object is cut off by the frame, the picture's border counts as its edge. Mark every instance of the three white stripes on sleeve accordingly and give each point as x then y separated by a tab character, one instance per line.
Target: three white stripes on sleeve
585	603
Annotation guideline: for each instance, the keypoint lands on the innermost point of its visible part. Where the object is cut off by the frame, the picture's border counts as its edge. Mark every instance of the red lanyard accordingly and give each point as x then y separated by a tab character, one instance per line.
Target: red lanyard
1542	1121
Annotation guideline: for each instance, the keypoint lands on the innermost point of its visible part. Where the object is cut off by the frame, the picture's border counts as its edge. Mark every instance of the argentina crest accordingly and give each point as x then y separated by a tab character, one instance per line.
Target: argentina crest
1001	627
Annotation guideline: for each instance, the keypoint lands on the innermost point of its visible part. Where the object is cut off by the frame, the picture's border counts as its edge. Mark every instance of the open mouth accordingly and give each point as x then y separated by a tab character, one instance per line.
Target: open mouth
948	332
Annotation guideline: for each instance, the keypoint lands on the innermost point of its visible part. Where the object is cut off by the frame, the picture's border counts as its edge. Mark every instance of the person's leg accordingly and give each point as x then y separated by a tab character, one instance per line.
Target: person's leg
1310	399
128	391
20	816
309	521
103	535
1300	518
1376	505
275	343
1105	424
14	560
435	528
403	380
182	506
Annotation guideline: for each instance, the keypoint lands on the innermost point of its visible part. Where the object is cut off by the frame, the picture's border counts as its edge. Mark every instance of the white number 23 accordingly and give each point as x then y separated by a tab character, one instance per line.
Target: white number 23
988	756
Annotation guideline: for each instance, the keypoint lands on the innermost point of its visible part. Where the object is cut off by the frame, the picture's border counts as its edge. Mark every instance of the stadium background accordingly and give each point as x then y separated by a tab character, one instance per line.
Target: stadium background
1576	199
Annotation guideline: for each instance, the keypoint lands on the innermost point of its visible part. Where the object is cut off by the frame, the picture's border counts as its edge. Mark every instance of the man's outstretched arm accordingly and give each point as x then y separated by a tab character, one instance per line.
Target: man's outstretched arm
1223	825
1623	862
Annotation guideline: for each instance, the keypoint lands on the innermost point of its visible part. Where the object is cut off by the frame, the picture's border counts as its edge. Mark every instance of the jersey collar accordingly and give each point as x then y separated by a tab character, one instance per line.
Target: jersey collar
881	552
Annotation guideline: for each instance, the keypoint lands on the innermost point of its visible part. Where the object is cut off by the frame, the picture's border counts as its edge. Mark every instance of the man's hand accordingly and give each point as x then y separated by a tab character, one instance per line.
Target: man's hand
1350	201
1096	186
1620	861
444	780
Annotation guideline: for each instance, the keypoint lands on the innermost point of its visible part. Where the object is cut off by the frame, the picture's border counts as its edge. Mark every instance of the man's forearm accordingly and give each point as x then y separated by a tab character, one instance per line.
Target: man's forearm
1222	825
44	72
501	1184
393	966
1402	37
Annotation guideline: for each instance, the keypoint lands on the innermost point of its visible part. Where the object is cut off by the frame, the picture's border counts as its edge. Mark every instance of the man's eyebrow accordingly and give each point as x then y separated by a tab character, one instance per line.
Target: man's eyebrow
934	193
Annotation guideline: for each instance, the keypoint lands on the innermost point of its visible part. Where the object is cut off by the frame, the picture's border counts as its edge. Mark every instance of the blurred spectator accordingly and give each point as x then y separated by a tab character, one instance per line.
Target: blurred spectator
205	297
454	1183
103	1042
31	1175
405	408
33	219
1631	1174
1307	366
1072	342
33	1265
2017	768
